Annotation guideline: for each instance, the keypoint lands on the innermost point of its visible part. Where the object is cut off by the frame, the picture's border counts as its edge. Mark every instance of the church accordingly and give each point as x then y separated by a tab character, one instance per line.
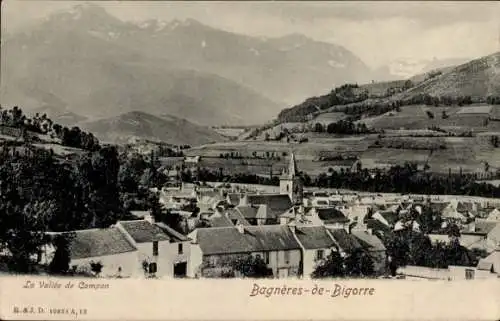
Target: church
291	183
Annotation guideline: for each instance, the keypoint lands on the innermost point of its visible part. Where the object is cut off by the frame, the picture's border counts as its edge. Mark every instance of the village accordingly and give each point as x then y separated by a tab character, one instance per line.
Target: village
290	232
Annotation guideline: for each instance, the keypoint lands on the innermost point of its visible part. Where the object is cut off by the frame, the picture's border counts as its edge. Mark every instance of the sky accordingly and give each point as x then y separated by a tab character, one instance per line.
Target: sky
378	32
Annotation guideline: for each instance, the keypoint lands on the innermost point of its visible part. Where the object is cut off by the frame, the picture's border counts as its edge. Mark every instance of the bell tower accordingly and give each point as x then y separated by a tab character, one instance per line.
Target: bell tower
291	183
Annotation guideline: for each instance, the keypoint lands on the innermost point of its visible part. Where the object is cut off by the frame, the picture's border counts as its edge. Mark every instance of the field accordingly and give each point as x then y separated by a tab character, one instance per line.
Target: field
327	118
416	117
467	153
230	132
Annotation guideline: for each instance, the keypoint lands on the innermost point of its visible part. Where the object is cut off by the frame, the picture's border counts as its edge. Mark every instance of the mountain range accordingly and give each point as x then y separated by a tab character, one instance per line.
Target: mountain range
88	62
121	129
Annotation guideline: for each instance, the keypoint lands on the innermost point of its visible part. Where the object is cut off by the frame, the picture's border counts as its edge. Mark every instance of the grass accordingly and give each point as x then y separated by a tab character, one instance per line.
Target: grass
416	118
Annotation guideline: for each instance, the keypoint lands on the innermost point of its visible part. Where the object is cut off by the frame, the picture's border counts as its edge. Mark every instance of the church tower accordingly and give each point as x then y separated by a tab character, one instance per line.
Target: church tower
291	183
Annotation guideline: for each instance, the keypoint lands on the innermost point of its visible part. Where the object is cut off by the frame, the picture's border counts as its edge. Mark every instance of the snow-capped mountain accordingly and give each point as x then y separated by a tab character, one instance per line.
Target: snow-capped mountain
84	57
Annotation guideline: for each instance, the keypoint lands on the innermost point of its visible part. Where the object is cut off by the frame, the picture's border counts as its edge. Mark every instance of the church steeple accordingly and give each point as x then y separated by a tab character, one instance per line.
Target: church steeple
290	181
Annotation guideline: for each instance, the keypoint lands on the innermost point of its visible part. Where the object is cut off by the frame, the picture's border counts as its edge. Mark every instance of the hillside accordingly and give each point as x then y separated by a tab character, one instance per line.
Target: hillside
135	124
478	79
88	62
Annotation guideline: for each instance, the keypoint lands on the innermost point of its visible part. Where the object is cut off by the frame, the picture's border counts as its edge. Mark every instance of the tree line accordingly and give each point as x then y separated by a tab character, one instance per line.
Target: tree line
42	124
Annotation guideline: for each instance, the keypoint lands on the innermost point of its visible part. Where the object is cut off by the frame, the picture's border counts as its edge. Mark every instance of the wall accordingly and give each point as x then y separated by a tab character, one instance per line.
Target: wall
167	256
379	261
127	261
310	262
215	264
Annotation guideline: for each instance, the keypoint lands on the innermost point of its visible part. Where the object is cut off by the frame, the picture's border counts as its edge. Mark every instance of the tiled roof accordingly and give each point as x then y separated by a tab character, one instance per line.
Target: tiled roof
369	241
481	227
227	240
99	242
277	204
346	241
220	221
314	237
172	234
235	214
248	211
143	231
330	215
234	198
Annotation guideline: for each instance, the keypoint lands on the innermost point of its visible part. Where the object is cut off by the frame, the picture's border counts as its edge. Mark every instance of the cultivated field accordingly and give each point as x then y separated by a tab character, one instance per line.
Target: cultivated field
416	117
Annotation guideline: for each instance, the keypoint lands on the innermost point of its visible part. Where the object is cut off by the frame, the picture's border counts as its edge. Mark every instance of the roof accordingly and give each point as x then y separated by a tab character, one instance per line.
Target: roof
277	204
228	240
99	242
465	207
172	234
330	215
140	214
480	227
345	241
484	265
143	231
234	198
248	211
220	221
438	207
235	214
369	241
314	237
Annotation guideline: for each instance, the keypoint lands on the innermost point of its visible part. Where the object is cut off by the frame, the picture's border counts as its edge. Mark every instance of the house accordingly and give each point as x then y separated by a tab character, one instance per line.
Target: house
316	243
388	218
328	216
346	243
491	263
109	247
233	198
165	251
451	214
481	234
228	218
213	249
494	215
374	247
275	205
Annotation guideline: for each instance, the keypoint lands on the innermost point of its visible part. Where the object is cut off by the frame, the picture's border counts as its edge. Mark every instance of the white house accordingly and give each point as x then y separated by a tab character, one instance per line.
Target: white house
161	250
213	249
316	244
109	247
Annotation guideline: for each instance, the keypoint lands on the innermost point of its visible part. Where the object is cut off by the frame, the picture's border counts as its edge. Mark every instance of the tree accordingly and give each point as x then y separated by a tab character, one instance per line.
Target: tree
318	127
61	259
252	267
96	267
332	266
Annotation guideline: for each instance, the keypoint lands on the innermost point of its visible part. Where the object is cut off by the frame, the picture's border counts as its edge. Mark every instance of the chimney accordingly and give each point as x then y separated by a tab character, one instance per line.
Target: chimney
240	228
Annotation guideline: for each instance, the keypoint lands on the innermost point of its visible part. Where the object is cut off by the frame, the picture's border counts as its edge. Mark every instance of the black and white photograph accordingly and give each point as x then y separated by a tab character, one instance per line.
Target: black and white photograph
253	140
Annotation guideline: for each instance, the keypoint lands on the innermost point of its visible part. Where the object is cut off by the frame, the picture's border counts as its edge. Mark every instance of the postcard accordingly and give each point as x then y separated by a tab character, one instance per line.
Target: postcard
238	160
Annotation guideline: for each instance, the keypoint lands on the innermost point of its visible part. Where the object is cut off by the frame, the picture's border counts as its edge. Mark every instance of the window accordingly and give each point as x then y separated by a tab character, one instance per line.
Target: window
180	249
287	257
319	254
155	248
469	274
287	188
266	257
153	268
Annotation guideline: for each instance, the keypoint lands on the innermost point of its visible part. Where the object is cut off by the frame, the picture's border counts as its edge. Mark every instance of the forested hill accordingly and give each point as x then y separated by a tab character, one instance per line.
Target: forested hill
474	81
